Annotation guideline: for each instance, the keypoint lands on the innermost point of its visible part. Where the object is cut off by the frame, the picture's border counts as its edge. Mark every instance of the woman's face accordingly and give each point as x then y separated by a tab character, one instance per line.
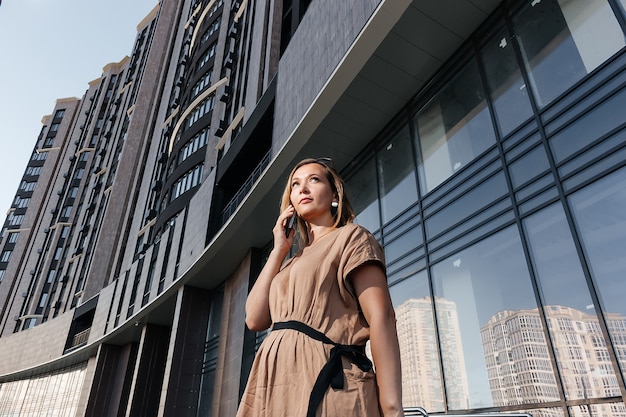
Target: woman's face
311	194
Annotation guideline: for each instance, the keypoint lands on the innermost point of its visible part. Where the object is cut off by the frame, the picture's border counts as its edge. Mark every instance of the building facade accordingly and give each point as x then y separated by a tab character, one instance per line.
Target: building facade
483	143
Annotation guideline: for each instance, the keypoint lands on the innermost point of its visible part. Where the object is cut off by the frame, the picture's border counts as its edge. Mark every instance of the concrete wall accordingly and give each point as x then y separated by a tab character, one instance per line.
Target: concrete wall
320	42
45	342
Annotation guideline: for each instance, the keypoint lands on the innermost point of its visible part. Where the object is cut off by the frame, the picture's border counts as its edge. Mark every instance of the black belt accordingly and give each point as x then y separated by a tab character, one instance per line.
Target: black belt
331	374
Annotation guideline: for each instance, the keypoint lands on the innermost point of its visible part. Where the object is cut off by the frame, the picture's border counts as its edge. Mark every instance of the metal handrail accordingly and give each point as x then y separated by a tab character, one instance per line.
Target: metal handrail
419	411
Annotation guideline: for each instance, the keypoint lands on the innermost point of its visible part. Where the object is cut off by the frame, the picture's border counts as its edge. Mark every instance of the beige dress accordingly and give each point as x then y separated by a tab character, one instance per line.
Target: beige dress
312	287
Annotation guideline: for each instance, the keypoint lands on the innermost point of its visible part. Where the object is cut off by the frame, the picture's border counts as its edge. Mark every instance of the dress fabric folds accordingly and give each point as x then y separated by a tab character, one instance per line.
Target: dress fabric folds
313	288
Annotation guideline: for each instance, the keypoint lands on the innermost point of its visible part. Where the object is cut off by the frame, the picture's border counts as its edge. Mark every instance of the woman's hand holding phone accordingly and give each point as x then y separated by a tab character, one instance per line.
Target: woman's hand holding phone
289	225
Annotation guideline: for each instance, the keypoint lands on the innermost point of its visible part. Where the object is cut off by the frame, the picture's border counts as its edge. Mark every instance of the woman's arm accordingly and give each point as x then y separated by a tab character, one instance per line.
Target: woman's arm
257	304
371	289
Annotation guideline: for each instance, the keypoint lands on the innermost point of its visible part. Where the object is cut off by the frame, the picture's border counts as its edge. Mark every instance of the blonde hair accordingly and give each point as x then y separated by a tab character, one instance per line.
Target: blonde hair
345	213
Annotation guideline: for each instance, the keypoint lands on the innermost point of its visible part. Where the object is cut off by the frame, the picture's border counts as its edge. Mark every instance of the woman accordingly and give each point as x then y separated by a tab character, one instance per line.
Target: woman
323	305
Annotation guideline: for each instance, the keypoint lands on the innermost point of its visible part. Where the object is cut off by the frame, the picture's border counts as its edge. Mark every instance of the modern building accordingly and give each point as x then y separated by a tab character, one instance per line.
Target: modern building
483	143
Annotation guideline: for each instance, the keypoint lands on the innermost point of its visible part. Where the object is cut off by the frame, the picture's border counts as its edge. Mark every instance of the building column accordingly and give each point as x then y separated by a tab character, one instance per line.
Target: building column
108	396
149	371
187	345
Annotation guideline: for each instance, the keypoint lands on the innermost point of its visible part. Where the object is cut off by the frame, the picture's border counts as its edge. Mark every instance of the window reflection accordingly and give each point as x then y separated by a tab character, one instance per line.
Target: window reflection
54	394
505	84
398	188
484	295
601	221
564	40
453	128
572	320
421	378
363	195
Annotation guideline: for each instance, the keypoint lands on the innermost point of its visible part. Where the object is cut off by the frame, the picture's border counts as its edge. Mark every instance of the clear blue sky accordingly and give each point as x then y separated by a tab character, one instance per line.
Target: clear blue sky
51	49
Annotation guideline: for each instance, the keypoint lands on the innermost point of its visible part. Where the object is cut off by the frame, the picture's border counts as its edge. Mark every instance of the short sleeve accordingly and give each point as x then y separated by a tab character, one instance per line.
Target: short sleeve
360	247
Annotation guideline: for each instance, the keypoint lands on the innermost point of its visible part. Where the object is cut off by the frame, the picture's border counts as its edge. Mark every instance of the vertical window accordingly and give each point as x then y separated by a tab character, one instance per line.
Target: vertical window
362	191
13	237
453	129
209	366
601	220
419	351
505	84
566	295
398	187
564	40
484	301
6	255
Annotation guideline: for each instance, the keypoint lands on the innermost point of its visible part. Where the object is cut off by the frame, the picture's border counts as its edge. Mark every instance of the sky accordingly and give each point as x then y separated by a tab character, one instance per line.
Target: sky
52	49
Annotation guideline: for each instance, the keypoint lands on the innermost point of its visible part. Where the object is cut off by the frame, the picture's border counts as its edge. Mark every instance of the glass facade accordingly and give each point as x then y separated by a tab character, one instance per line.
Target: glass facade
500	204
54	394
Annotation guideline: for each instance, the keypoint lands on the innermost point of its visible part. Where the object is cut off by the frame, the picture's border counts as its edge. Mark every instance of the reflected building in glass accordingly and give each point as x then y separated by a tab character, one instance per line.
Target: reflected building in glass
519	366
483	143
421	357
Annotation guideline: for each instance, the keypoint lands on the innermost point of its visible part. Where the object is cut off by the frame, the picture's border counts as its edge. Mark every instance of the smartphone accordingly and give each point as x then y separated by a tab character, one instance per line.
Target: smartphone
290	222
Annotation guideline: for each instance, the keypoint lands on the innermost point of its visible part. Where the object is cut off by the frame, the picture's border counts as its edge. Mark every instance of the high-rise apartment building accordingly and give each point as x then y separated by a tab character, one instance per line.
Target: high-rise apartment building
483	143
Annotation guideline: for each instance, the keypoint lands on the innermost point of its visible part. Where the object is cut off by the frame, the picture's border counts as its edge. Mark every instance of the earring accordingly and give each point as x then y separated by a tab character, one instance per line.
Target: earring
333	208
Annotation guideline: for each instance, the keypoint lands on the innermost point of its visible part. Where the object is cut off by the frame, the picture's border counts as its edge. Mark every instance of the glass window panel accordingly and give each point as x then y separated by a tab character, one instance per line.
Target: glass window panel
408	241
529	166
362	190
572	319
421	376
496	350
591	126
601	221
505	84
396	169
468	204
564	40
453	129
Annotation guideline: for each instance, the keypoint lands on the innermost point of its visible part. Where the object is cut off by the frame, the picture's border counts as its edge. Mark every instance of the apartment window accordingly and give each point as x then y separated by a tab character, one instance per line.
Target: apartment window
188	181
195	143
2	272
204	82
33	170
6	255
28	186
12	238
43	300
22	202
65	232
562	41
210	53
84	156
54	127
210	31
15	219
59	113
203	108
39	156
67	210
49	142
